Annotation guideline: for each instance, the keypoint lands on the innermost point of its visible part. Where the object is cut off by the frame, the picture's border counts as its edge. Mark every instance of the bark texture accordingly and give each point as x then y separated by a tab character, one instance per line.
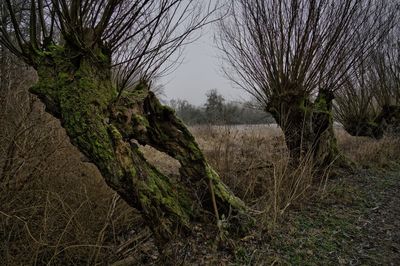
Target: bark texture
77	88
308	127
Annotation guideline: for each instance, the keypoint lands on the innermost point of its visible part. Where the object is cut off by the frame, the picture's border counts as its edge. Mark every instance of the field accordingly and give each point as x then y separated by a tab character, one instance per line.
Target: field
59	211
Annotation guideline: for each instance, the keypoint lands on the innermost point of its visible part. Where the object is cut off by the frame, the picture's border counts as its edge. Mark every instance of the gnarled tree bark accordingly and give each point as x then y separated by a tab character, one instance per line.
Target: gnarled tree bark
77	88
308	128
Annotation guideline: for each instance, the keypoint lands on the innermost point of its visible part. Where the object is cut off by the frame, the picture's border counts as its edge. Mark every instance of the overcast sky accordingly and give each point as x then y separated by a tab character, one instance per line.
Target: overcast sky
200	72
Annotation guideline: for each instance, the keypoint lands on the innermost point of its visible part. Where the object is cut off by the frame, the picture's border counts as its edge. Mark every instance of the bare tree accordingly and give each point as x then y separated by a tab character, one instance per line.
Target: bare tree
292	55
355	106
75	47
369	103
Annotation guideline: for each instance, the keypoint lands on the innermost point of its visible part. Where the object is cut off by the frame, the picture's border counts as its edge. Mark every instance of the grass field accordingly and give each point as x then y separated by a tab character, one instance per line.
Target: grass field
62	213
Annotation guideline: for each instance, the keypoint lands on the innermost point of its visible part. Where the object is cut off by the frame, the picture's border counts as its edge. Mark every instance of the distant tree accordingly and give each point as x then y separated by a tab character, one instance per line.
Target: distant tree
214	107
189	113
87	53
230	113
292	55
355	106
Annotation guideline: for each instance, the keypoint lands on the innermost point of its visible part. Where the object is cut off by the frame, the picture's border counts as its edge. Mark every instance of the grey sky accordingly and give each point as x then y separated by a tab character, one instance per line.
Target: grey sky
200	72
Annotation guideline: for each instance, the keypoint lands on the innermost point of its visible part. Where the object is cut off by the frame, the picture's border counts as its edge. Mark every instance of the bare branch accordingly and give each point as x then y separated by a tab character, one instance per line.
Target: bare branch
144	37
298	47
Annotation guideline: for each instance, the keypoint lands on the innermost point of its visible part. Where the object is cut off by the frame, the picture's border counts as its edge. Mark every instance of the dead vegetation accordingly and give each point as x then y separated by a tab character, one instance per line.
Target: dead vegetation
56	208
61	212
95	64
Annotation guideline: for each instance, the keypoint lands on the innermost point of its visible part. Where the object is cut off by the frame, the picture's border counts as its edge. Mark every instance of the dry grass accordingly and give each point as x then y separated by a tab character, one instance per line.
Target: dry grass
65	214
54	209
370	153
254	162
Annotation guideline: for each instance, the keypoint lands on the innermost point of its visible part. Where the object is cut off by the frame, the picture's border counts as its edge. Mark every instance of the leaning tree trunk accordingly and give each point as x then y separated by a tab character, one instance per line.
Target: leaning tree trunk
307	127
76	87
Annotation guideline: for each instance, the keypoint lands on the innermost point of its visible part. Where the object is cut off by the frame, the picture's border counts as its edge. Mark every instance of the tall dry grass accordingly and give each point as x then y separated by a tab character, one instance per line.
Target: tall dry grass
54	208
254	162
65	214
371	153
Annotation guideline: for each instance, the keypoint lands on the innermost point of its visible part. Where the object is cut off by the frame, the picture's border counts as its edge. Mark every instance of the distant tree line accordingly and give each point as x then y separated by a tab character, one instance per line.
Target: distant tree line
217	111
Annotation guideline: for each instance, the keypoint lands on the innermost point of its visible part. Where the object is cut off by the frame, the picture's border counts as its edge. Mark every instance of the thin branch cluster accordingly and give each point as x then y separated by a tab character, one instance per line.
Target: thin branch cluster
144	37
298	47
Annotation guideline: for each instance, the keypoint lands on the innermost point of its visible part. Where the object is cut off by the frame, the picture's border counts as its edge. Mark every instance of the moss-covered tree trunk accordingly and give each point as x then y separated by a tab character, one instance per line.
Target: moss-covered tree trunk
387	121
307	127
325	149
365	127
77	88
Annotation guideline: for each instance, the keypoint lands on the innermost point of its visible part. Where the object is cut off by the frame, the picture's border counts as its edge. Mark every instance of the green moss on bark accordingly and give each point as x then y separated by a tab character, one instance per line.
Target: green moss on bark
79	91
153	124
308	127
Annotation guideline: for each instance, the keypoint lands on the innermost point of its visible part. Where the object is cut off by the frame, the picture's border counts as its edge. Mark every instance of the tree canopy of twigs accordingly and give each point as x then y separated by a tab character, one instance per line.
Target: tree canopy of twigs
298	46
144	36
373	89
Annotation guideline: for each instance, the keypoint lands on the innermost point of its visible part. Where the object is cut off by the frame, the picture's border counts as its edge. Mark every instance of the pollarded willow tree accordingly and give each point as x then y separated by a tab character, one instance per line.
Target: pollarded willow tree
369	102
86	54
292	55
355	107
